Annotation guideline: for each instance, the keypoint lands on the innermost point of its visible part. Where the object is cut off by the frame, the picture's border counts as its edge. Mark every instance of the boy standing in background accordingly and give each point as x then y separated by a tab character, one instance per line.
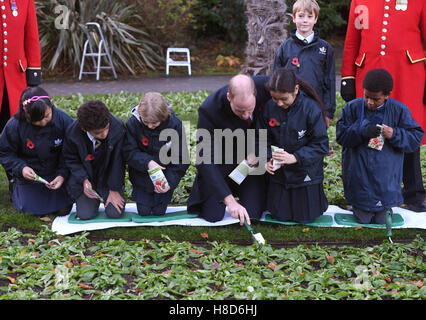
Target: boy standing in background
310	57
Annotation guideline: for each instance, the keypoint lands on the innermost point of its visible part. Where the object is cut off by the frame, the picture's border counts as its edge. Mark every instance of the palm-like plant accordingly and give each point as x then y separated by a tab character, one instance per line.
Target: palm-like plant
62	38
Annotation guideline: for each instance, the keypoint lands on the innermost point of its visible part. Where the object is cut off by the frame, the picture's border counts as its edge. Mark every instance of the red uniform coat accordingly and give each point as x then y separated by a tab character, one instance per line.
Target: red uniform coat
380	36
19	48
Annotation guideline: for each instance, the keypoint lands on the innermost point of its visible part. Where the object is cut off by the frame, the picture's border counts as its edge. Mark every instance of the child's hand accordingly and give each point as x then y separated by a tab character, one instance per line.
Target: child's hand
284	157
28	173
55	183
387	131
116	200
159	189
152	164
269	167
87	189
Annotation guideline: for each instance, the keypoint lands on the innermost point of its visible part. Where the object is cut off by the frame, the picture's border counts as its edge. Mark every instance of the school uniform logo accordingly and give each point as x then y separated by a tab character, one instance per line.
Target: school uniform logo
323	50
58	142
301	134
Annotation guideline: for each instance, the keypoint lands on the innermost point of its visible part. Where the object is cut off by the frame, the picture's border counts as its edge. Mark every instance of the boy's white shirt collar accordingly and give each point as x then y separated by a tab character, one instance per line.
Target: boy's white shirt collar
309	38
136	114
92	138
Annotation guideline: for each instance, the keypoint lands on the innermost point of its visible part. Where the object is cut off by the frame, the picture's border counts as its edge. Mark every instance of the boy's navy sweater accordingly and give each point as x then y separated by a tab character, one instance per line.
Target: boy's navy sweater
143	145
316	66
78	155
371	178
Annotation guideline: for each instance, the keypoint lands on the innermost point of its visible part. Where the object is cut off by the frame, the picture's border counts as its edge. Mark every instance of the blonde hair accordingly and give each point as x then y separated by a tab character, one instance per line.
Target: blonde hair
153	108
308	5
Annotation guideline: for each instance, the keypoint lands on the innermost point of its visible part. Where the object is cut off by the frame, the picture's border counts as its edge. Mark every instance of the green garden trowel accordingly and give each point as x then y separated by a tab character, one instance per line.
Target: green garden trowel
389	225
256	237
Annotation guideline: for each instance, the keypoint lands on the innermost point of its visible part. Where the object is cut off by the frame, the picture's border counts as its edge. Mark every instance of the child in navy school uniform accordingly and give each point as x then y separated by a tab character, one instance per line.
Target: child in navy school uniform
310	57
30	146
142	153
295	122
92	152
374	132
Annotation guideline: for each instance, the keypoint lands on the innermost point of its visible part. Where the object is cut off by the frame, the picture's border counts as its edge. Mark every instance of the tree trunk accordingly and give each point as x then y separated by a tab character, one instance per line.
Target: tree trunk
266	28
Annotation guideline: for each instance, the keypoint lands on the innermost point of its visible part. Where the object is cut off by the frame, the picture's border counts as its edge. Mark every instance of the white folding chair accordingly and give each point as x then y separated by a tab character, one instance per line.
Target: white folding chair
95	38
178	63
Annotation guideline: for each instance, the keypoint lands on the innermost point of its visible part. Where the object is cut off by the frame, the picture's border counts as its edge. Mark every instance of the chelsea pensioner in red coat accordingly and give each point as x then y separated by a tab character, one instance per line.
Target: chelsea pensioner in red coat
20	49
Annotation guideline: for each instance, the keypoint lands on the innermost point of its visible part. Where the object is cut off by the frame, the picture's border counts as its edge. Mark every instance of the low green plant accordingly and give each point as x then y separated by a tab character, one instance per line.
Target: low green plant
45	266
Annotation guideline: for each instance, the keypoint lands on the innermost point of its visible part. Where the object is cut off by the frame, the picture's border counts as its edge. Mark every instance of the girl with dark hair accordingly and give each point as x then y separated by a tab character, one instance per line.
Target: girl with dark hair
30	148
294	120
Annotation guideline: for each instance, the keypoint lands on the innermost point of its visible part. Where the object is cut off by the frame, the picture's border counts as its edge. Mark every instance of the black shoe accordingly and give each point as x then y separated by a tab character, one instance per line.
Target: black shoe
64	211
158	213
417	207
11	187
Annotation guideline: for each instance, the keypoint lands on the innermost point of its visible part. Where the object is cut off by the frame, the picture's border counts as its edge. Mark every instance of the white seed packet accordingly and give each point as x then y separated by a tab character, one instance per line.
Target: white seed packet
158	178
275	163
40	179
241	172
378	142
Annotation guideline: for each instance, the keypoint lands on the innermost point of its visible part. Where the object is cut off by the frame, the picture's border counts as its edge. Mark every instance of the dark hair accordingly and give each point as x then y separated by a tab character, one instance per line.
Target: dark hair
33	111
284	80
378	80
93	115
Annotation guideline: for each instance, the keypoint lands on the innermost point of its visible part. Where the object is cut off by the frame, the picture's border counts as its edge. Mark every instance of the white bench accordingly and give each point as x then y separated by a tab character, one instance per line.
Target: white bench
180	63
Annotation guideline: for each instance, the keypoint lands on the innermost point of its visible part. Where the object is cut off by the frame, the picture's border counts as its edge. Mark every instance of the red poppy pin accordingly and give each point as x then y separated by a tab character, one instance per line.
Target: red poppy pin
30	144
90	157
295	62
145	141
273	122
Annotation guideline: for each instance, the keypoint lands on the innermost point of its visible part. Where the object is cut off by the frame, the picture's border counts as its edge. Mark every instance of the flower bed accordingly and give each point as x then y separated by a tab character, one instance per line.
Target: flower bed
45	266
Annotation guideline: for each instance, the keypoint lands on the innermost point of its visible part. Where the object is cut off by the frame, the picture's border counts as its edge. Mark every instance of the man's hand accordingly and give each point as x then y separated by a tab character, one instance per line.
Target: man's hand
269	166
236	210
116	200
252	160
347	89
